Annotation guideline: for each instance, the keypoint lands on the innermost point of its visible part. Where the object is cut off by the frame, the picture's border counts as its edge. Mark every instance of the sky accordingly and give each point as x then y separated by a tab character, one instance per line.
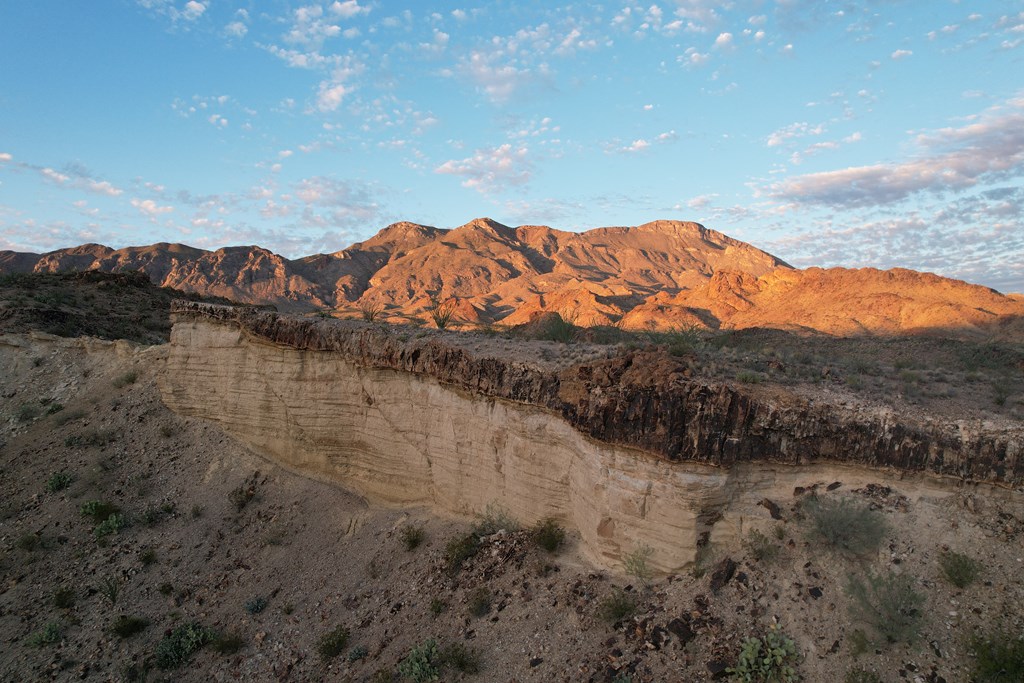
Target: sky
885	133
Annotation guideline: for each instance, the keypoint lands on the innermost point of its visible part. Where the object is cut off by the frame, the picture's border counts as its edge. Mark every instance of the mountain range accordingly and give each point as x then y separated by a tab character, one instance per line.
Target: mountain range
659	275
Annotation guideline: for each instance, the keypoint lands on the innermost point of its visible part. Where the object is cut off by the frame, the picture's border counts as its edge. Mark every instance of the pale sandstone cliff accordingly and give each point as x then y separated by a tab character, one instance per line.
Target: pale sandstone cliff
627	450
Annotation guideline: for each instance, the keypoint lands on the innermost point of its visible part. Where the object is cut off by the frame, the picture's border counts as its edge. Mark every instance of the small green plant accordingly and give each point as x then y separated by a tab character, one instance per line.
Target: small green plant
770	659
332	643
888	603
437	605
54	408
227	643
197	511
178	647
64	598
748	377
412	536
636	564
59	481
442	312
125	379
480	602
760	547
255	605
845	525
109	588
460	549
960	569
461	658
859	642
126	626
617	606
27	412
357	653
495	518
241	496
859	675
998	657
422	663
110	525
165	588
147	556
48	635
548	535
98	510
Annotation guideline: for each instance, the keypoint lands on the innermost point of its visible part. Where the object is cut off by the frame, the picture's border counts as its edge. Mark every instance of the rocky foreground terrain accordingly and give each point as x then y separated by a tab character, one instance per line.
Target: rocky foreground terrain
138	544
662	275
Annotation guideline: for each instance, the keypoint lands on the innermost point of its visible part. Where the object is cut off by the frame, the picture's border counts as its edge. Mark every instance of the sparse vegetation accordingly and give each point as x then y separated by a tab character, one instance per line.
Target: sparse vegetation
240	496
178	647
960	569
227	643
126	626
332	643
769	659
888	603
422	663
110	525
548	535
59	481
255	605
125	379
370	311
760	547
859	675
637	566
64	597
845	525
357	653
437	605
461	658
109	588
998	657
27	412
50	634
480	602
412	536
442	312
618	605
460	549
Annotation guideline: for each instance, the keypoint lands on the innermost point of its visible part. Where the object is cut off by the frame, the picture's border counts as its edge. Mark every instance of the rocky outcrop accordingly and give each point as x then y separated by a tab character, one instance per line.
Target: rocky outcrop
628	450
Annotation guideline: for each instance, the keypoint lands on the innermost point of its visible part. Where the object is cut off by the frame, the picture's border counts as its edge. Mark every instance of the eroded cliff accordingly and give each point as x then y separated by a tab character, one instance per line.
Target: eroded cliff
628	450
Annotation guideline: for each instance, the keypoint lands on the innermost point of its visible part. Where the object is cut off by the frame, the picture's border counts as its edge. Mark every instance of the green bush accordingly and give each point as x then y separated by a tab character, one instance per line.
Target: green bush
412	536
359	651
460	549
110	525
548	535
27	412
332	643
637	566
64	598
48	635
227	643
461	658
98	510
760	547
617	606
960	569
480	602
59	481
422	663
176	648
888	603
844	525
998	657
127	626
770	659
125	379
255	605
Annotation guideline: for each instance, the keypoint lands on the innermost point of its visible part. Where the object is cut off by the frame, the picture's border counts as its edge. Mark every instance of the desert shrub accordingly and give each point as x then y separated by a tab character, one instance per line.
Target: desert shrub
437	605
637	566
422	663
859	675
98	510
859	642
480	602
59	481
127	626
845	525
460	549
332	643
357	653
48	635
442	312
27	412
68	416
617	606
166	431
888	603
548	535
255	605
54	408
461	658
28	542
412	536
227	643
557	329
998	657
769	659
494	519
748	377
681	341
109	587
370	311
125	379
64	598
176	648
960	569
147	556
110	525
241	496
760	547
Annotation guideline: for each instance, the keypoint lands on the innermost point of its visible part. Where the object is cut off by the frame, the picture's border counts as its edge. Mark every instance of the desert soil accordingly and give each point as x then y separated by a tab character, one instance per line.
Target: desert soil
216	534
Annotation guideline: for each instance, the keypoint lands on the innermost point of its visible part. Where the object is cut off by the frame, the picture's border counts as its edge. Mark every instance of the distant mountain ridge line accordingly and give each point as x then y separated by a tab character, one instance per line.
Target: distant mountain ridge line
659	275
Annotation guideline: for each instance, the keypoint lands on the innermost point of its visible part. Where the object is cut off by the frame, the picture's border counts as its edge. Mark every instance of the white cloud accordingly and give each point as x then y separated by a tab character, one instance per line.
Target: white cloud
648	107
285	153
496	80
723	41
193	10
218	120
491	170
459	14
949	159
54	176
901	54
236	29
349	9
792	131
636	146
5	156
693	57
150	208
330	95
103	187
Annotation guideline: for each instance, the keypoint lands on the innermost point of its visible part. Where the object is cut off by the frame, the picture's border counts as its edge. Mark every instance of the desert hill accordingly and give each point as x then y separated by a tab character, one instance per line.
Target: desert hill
660	275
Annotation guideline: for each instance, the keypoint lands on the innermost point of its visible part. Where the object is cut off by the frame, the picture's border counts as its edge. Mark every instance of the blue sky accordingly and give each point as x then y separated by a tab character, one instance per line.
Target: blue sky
880	133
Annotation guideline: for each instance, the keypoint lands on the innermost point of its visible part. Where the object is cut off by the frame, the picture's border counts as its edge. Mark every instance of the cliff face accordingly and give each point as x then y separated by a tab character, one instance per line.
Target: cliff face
627	450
